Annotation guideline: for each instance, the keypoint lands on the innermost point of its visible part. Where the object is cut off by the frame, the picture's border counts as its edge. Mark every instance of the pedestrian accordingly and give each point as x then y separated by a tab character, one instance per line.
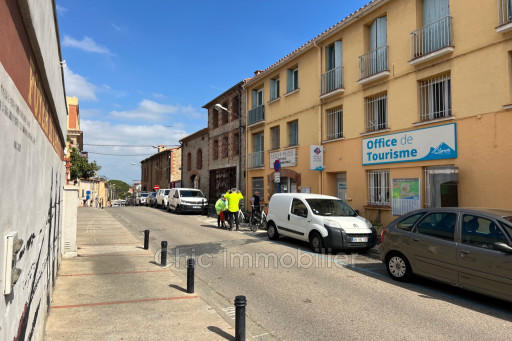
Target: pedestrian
234	196
255	202
221	206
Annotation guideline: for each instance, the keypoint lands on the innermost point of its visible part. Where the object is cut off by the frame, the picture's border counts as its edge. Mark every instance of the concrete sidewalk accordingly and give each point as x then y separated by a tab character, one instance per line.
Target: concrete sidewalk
114	290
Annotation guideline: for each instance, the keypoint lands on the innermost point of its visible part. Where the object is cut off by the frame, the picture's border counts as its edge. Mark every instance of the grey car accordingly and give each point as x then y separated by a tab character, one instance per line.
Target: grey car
465	247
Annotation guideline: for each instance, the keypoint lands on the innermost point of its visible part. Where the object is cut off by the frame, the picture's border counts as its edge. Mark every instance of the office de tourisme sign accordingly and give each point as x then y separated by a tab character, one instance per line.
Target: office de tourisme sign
432	143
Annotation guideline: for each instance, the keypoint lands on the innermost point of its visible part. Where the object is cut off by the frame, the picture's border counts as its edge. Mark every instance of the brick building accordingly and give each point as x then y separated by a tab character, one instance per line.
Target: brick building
162	169
226	124
194	172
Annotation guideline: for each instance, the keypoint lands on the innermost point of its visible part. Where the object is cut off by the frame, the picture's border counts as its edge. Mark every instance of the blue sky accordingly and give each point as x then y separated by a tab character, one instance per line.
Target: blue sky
143	69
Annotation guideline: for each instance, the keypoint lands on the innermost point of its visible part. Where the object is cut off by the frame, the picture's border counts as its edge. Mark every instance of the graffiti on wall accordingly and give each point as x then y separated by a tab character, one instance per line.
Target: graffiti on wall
43	269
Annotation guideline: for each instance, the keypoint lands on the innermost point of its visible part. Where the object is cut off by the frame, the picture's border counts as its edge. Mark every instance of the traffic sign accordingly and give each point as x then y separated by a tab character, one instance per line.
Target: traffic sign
277	177
277	166
156	187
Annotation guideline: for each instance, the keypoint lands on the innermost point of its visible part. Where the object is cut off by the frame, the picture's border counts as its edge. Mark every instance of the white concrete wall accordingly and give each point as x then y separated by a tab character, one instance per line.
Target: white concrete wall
32	176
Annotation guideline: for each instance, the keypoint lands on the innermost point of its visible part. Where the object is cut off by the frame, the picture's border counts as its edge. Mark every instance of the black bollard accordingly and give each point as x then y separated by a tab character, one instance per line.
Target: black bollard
163	257
190	275
146	239
240	303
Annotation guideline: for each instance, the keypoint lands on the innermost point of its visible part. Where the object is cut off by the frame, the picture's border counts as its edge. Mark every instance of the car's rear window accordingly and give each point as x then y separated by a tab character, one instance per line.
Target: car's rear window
191	194
144	194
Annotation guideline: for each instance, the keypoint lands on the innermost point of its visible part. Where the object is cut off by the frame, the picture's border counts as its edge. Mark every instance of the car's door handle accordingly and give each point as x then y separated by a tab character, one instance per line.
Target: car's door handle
288	216
464	252
416	239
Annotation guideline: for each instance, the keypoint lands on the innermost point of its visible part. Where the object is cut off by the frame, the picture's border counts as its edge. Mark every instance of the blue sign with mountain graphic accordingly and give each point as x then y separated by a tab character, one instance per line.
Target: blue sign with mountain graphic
434	143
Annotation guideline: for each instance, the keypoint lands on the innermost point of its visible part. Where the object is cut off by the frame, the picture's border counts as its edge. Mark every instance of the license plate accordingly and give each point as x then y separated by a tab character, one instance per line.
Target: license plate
359	239
197	206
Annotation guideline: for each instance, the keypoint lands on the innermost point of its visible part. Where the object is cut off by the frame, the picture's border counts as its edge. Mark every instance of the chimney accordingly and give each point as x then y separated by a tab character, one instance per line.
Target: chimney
161	148
257	72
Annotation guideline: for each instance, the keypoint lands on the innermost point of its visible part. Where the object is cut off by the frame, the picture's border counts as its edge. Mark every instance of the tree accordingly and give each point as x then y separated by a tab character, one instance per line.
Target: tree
81	168
121	188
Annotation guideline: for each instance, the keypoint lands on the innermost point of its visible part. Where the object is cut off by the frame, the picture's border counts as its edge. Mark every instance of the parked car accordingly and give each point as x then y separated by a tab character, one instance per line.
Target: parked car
466	247
141	199
323	221
151	199
187	200
161	197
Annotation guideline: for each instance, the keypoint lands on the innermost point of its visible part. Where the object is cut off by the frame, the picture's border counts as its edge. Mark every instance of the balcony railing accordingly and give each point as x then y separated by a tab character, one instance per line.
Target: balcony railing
432	37
504	12
373	62
257	114
255	160
332	80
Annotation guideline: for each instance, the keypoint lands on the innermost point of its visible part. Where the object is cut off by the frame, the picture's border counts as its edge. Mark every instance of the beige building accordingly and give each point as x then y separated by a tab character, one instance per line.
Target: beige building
194	170
162	169
403	104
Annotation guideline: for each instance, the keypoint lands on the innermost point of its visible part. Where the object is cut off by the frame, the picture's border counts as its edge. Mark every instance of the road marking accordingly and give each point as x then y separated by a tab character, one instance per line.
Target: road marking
230	311
122	302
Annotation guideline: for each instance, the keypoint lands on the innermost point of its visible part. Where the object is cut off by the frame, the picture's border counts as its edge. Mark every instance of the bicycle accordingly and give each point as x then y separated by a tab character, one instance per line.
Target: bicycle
258	219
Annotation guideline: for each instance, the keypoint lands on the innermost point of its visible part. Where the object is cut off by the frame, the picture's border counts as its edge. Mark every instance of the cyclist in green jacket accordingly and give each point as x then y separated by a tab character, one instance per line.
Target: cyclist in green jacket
221	206
234	196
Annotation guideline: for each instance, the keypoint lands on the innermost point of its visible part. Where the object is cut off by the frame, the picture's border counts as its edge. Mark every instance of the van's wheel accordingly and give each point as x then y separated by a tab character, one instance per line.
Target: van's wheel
178	209
316	241
272	231
398	267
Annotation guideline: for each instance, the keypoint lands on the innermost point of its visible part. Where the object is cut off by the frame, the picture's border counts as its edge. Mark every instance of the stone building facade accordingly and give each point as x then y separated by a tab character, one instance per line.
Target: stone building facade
162	169
194	172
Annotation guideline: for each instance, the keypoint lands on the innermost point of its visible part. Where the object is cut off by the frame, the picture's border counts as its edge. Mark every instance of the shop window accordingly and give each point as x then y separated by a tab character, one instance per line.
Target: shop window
376	112
378	187
257	186
335	123
435	98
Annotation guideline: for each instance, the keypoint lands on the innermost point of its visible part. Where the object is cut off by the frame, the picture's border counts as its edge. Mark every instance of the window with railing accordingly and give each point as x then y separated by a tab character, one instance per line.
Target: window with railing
435	98
376	60
376	109
335	123
431	37
378	188
275	136
257	113
255	159
332	80
293	133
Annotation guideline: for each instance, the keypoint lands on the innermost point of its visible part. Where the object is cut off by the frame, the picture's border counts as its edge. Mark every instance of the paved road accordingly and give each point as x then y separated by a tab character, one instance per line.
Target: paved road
294	294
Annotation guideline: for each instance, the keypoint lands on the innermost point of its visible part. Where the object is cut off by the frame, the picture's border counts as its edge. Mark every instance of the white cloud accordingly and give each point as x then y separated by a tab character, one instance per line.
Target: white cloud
119	167
61	10
78	86
152	111
117	28
86	44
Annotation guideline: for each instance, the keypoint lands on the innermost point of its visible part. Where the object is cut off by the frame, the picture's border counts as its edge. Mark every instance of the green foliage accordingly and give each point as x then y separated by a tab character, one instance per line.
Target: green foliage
120	188
81	168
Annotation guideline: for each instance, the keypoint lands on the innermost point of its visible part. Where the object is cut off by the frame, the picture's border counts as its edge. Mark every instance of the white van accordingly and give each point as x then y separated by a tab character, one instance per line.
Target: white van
186	200
322	220
162	197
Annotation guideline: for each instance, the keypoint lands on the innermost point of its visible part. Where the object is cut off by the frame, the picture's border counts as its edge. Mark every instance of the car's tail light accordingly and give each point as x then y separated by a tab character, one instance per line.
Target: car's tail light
382	234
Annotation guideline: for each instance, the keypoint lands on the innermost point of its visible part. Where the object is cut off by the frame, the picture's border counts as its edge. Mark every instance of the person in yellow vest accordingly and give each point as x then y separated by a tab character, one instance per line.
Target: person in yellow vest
234	196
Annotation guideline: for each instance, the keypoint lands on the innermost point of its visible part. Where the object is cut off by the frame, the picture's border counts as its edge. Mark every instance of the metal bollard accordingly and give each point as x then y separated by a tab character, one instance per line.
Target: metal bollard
190	275
146	239
240	303
163	255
